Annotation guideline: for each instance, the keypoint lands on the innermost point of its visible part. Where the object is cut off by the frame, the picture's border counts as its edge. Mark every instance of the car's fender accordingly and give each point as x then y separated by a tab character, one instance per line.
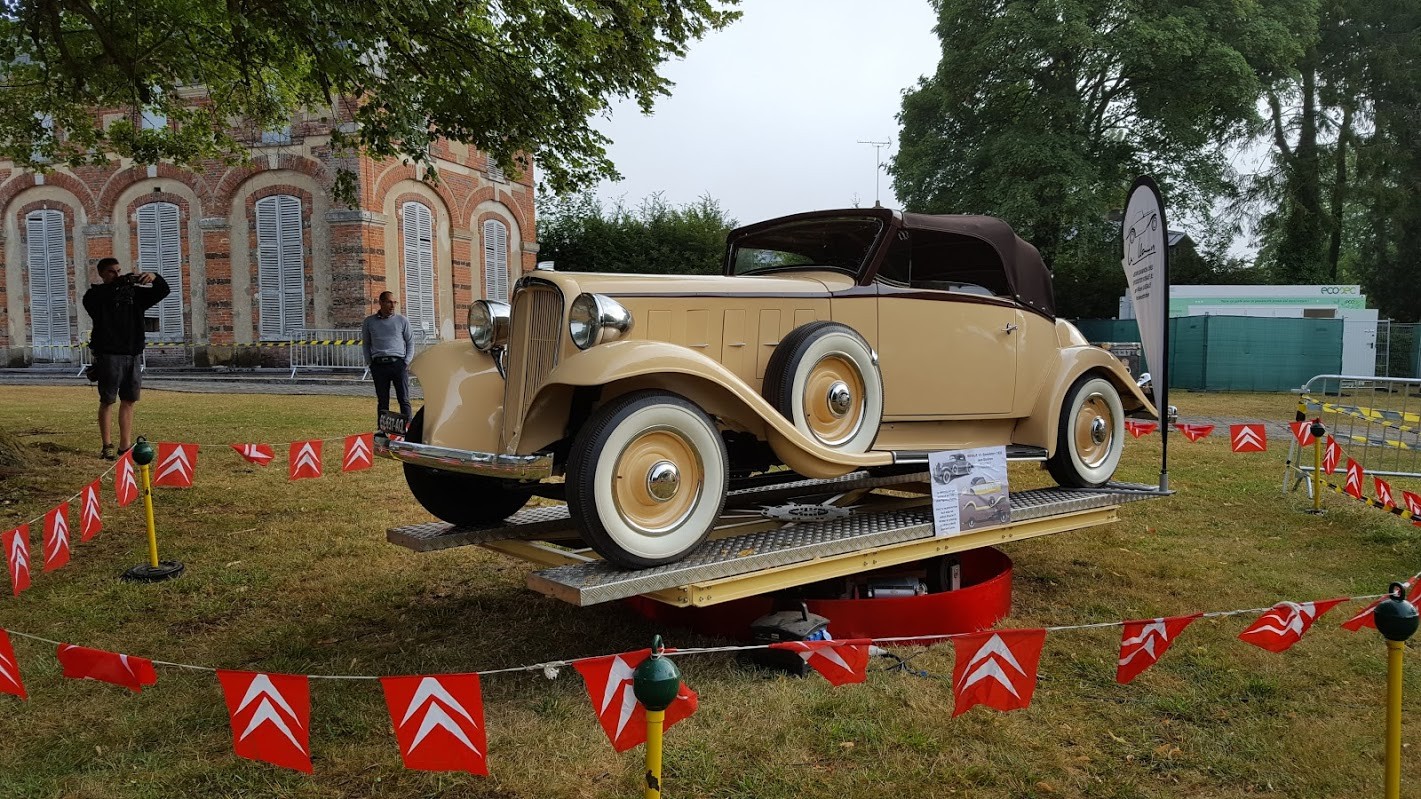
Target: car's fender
620	367
1039	429
463	396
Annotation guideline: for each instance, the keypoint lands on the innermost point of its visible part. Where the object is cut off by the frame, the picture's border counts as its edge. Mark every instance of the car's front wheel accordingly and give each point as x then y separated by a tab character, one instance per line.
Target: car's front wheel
824	378
1091	434
467	500
647	478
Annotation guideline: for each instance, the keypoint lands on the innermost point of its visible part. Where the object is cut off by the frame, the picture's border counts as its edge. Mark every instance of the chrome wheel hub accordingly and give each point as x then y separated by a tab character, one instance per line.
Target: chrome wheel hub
663	480
840	399
1099	430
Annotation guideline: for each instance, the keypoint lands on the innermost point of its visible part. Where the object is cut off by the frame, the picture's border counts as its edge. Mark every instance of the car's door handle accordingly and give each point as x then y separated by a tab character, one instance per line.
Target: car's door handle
1008	328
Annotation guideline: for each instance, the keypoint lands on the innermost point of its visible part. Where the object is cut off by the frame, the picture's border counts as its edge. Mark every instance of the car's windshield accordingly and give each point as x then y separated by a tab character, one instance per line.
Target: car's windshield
842	244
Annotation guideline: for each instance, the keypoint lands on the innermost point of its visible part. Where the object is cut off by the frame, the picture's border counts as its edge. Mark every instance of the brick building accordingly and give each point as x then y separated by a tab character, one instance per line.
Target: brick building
262	251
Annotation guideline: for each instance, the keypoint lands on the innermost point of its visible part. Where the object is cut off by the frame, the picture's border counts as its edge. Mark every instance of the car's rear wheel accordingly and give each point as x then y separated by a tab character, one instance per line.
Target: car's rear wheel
468	500
824	378
647	478
1091	434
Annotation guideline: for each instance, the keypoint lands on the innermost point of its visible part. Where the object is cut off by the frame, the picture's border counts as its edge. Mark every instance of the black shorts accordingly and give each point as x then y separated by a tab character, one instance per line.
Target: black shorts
120	377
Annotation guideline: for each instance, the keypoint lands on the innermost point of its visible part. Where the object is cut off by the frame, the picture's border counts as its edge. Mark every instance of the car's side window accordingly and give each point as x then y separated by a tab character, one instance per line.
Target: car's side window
949	262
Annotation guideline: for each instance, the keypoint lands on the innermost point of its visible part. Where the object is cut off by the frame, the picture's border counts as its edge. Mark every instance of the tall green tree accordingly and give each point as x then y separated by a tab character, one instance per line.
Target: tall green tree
579	234
1043	112
516	78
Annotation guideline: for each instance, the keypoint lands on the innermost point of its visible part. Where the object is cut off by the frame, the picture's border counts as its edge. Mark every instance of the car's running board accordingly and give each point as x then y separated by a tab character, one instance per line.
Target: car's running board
1015	452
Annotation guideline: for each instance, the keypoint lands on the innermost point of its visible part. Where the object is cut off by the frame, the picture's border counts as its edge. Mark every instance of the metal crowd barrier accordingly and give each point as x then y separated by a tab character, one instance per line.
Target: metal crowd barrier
327	348
1376	421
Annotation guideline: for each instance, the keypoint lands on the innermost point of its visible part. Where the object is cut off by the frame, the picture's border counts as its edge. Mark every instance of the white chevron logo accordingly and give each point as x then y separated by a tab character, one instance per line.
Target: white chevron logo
9	669
177	463
1287	618
58	536
126	480
268	699
254	452
359	453
19	555
1247	437
829	653
91	507
1145	641
437	702
1354	478
619	680
987	664
1384	493
306	458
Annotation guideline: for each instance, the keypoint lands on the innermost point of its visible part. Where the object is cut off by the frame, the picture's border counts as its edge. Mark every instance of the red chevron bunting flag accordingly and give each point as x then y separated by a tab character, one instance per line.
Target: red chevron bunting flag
125	480
1355	476
1144	642
1194	432
1302	433
271	717
56	537
1365	617
841	662
10	682
17	556
260	454
609	686
996	669
1413	506
83	663
439	722
1331	455
1248	437
1286	624
91	519
1138	429
176	464
1384	492
357	453
305	459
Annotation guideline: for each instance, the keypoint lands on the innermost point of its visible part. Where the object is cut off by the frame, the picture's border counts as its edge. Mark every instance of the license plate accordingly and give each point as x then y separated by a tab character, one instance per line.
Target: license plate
393	424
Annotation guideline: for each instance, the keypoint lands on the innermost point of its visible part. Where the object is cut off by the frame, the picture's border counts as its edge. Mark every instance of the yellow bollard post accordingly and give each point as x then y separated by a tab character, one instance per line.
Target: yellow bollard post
1396	620
1318	431
154	570
655	725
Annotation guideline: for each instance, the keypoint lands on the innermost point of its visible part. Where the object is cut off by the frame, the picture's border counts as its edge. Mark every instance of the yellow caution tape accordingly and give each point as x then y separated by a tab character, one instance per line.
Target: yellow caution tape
1385	417
1395	510
334	342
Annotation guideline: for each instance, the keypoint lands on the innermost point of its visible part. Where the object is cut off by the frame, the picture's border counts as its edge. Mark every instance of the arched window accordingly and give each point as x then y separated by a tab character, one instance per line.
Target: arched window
160	252
418	227
49	278
495	261
281	267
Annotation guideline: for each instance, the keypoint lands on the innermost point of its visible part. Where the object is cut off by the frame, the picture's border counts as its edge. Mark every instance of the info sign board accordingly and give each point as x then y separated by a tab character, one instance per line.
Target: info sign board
969	489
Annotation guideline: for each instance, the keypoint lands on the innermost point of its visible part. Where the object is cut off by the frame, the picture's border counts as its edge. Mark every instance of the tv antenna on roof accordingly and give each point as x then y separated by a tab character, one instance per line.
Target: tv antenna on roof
877	166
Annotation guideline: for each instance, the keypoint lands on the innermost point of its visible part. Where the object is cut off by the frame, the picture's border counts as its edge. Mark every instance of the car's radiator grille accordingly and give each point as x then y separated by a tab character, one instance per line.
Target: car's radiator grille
532	352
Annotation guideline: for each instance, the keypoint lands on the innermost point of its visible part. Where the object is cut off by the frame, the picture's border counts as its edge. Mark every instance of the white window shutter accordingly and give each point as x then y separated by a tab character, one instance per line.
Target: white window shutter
160	252
495	261
49	278
281	267
417	225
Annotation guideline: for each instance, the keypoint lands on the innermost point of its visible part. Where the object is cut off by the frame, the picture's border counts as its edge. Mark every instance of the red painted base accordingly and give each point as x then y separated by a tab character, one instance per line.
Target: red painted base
982	601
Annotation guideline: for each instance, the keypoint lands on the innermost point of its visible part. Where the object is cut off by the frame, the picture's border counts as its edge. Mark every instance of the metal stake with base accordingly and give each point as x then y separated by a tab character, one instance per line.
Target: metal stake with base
1396	620
655	684
1317	431
154	570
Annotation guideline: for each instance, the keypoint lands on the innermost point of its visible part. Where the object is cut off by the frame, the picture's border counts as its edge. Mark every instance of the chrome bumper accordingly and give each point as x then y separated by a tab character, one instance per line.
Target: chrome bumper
486	464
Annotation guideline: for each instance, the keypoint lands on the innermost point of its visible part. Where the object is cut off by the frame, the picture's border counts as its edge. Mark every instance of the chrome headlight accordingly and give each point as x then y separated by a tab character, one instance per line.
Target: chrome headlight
595	319
488	324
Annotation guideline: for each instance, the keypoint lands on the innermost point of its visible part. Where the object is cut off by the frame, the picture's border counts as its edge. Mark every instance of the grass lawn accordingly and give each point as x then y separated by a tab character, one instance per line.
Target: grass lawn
297	578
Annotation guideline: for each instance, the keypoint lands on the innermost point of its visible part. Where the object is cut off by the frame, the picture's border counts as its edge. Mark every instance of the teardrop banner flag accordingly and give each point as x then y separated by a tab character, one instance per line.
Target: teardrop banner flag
17	557
1144	237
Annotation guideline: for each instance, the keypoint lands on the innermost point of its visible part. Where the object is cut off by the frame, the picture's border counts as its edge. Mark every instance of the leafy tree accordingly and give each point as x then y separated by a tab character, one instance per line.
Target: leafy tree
581	235
1042	113
517	78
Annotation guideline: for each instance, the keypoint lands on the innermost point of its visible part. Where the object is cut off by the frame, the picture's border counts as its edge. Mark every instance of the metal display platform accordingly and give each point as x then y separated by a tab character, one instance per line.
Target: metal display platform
749	554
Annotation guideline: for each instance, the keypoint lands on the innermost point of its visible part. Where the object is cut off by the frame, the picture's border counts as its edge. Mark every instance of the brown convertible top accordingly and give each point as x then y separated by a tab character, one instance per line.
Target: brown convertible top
1026	273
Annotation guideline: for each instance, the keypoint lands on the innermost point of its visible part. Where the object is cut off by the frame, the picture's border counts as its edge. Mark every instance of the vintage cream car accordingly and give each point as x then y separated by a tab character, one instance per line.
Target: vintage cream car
835	341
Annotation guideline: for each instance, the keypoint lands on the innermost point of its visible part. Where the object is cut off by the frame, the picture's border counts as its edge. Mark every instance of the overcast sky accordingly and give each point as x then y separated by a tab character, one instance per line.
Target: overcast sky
767	114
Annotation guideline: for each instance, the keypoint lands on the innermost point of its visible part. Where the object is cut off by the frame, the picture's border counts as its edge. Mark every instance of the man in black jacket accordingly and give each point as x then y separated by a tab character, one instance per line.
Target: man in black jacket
117	307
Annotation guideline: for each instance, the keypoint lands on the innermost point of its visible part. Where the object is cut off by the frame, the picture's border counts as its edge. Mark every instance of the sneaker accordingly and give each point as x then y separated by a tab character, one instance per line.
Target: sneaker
107	453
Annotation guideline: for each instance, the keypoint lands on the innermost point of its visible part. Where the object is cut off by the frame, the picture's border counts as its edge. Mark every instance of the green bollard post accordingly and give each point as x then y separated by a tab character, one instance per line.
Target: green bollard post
655	684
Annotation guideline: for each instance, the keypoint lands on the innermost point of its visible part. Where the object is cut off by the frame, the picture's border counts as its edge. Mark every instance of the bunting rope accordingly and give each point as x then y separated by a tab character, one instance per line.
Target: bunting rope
551	668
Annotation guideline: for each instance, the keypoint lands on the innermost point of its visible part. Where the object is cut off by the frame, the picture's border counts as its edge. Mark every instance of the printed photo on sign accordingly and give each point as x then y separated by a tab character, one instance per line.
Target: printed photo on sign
969	489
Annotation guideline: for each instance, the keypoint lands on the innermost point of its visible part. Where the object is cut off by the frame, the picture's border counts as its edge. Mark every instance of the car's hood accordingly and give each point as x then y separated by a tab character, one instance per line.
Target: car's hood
623	285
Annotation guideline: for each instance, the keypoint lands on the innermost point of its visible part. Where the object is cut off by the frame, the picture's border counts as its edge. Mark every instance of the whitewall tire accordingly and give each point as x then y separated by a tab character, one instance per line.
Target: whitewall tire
647	478
1090	436
824	378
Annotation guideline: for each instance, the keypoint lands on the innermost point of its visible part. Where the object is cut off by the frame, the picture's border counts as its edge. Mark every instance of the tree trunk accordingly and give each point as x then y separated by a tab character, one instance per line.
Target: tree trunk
1339	193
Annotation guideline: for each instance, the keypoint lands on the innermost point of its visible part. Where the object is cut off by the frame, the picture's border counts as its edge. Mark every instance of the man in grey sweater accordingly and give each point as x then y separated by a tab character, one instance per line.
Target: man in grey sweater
389	346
